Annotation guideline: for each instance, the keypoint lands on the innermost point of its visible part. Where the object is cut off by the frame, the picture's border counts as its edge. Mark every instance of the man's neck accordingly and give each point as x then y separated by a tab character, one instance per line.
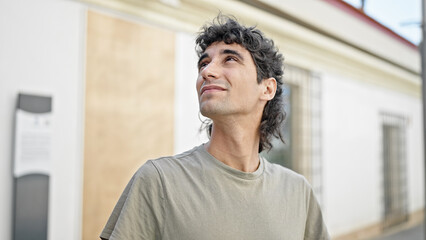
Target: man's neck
236	144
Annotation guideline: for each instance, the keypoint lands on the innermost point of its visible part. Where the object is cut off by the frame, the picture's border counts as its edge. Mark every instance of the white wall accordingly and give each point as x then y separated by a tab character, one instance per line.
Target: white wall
187	122
352	150
42	51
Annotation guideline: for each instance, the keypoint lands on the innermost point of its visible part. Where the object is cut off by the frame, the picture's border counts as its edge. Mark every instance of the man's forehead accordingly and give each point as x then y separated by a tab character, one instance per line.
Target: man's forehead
221	46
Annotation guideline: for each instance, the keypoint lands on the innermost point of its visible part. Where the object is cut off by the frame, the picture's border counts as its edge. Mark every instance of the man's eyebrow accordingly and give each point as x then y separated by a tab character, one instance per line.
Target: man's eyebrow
233	52
204	55
225	51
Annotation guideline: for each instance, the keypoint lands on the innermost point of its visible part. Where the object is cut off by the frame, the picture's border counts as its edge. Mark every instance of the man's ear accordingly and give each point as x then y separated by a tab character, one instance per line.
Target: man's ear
269	88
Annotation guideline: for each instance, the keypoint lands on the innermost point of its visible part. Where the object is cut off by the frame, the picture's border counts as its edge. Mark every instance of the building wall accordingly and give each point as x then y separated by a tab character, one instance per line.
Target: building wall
187	117
352	150
129	112
41	51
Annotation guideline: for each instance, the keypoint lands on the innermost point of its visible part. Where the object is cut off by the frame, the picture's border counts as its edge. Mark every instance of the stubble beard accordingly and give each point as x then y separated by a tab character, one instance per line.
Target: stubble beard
210	111
213	109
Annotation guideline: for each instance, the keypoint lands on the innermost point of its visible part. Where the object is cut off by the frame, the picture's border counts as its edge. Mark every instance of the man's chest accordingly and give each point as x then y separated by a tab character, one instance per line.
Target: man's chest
233	213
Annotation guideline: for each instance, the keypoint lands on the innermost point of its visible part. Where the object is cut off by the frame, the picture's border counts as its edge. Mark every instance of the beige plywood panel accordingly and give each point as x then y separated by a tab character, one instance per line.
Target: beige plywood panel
129	109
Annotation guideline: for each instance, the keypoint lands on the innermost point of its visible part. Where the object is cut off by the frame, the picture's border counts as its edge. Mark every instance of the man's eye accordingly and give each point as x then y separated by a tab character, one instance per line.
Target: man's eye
203	64
230	58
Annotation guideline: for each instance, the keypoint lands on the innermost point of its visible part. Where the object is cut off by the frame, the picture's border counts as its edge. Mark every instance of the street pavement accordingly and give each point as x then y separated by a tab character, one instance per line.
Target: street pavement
414	233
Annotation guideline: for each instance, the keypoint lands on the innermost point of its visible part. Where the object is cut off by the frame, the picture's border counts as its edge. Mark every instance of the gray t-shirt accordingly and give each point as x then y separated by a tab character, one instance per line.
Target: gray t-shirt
193	196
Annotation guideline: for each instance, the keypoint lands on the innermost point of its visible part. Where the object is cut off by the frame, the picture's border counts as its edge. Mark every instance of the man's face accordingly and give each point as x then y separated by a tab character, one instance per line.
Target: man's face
227	81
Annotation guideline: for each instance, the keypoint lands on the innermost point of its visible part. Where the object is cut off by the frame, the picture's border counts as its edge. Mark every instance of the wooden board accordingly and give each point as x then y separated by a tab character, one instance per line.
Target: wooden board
129	109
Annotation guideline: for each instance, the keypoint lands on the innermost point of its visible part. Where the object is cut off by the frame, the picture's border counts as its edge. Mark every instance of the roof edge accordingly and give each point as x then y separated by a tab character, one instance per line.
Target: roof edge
348	8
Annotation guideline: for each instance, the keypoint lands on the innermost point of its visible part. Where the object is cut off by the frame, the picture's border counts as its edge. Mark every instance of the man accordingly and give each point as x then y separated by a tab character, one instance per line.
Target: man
223	189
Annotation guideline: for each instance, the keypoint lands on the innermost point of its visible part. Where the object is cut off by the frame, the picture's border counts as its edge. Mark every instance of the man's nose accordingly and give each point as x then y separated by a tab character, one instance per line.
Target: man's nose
210	71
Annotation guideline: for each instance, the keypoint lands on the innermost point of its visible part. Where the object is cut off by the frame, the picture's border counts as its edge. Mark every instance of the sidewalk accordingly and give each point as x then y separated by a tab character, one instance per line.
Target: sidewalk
414	233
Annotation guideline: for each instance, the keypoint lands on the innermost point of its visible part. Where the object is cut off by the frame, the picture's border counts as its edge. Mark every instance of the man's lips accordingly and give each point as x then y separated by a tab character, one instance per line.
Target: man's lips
211	88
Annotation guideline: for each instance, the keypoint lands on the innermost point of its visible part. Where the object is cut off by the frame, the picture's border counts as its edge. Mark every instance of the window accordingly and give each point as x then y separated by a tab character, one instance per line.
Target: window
283	153
302	128
394	170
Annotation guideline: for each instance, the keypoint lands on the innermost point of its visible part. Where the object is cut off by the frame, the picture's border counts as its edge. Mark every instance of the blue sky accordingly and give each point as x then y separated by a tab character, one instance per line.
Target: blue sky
402	16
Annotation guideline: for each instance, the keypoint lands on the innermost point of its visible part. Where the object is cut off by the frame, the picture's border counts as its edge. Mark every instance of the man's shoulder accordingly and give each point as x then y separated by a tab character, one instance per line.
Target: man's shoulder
174	162
183	157
284	174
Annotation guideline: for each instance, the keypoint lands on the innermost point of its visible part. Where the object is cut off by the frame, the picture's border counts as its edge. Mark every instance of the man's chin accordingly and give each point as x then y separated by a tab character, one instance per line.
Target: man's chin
209	111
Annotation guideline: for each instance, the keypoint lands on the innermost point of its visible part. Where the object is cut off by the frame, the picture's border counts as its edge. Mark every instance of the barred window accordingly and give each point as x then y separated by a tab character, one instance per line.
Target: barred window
302	128
394	170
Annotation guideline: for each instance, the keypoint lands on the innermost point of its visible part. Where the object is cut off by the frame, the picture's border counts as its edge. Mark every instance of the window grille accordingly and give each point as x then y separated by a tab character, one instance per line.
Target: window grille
395	202
302	127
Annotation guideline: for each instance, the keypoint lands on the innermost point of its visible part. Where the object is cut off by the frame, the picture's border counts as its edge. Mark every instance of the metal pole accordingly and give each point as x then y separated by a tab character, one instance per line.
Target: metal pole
423	57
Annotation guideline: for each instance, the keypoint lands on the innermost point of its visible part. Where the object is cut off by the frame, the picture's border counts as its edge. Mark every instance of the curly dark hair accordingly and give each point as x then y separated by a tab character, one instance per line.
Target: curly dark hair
268	61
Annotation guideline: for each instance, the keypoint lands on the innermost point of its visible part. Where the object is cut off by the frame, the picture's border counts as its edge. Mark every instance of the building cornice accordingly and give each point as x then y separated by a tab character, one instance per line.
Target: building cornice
303	45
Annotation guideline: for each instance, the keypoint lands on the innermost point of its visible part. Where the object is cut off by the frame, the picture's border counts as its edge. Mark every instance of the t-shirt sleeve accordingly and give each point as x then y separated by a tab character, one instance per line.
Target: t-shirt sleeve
139	212
315	226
